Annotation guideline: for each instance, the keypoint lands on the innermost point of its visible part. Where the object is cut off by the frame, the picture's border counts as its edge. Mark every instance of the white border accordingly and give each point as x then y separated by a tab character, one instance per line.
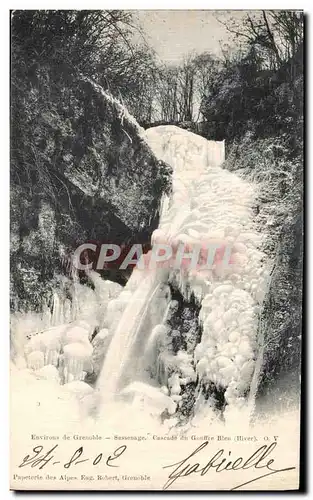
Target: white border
159	5
4	183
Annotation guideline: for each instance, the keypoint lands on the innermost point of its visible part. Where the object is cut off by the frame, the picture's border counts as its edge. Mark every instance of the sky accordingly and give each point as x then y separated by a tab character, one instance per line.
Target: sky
175	33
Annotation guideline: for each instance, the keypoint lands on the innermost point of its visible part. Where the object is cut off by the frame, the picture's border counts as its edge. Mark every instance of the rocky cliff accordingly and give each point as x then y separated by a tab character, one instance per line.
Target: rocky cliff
80	171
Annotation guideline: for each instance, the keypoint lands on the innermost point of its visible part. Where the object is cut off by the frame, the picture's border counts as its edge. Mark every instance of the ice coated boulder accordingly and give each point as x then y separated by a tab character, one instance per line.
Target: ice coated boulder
146	395
78	388
49	372
76	334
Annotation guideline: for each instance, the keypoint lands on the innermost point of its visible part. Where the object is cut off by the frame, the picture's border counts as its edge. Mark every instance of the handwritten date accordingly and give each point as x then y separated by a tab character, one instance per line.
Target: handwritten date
40	458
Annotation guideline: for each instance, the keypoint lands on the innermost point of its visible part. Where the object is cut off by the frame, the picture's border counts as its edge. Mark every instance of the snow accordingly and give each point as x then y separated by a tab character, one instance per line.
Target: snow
150	397
78	388
76	360
76	334
49	372
207	204
35	360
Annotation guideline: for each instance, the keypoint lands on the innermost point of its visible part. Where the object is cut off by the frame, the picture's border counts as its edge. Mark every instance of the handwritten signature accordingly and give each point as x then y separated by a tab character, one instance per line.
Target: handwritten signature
40	458
258	460
219	462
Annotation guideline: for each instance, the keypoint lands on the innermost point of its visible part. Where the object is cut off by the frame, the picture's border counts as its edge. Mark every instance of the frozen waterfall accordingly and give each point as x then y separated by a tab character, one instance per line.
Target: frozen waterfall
137	356
207	203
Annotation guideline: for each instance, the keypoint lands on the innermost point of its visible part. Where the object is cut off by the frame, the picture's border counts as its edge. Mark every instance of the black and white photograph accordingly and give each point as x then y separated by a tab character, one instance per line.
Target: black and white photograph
156	249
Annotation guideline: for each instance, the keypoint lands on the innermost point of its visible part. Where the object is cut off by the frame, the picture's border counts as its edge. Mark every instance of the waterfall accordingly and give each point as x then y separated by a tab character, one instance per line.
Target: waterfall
128	340
207	203
144	353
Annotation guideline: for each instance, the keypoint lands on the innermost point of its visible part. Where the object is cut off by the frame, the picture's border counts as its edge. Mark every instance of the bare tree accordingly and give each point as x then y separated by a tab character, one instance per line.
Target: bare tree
277	35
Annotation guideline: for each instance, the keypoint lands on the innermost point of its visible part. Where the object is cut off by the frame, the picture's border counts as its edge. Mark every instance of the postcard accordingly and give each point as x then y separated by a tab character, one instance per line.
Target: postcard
156	249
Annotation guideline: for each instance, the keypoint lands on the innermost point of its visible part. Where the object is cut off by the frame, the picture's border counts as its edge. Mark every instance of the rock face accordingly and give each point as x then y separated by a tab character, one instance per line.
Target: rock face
282	322
279	214
80	171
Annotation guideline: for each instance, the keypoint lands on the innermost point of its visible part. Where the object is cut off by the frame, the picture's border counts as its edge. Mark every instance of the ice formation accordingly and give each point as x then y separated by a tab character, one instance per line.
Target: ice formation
207	204
211	203
46	340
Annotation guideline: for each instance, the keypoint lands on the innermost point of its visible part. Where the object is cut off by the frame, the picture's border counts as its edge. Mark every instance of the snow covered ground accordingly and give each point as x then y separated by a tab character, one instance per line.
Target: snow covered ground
207	203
